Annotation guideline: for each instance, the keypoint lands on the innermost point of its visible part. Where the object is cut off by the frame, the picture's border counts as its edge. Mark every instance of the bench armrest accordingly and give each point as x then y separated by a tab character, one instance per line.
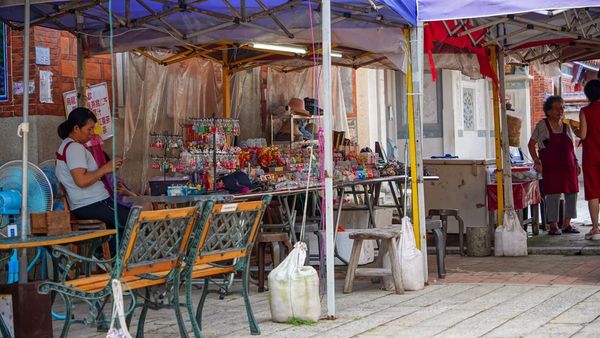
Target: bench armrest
69	261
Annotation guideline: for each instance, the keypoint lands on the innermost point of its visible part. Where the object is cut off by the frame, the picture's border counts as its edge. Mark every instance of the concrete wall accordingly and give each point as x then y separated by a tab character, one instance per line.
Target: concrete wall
367	97
43	140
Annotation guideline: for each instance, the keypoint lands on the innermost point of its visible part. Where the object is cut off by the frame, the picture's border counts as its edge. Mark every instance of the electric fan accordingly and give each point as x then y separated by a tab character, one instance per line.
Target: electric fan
39	191
49	169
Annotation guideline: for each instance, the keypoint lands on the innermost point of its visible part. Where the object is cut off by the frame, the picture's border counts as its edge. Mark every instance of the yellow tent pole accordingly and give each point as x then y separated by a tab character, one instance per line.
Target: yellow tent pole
226	86
497	138
412	147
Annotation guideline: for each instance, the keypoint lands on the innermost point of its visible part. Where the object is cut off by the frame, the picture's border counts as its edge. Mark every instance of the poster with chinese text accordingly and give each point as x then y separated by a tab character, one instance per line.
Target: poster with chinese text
97	101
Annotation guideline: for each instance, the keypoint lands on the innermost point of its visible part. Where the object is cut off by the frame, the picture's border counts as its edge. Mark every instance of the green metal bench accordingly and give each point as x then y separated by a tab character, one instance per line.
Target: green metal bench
152	251
224	247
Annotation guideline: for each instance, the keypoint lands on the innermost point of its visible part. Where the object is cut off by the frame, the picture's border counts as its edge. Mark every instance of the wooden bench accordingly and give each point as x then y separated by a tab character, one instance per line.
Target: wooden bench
151	253
224	247
389	237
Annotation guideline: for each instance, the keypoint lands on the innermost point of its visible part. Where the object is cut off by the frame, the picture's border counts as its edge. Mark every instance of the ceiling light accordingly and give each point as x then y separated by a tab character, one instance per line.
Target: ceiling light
335	54
279	48
551	12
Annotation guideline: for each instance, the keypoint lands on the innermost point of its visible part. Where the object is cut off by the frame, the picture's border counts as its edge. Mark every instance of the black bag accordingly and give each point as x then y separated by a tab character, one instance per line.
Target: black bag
312	105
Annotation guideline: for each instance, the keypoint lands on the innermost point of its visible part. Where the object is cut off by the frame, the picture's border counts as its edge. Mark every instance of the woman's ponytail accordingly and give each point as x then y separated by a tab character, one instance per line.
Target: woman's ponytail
64	129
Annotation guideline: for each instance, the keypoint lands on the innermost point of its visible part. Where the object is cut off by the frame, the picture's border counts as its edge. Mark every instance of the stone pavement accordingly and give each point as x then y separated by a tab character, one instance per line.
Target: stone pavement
534	296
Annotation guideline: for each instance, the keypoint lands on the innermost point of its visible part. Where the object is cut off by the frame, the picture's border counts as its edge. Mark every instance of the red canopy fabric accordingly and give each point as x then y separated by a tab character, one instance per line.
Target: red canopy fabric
436	32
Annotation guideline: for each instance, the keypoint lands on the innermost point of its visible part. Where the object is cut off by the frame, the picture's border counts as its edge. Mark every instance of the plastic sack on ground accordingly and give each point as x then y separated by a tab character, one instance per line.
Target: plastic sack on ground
294	289
411	260
510	239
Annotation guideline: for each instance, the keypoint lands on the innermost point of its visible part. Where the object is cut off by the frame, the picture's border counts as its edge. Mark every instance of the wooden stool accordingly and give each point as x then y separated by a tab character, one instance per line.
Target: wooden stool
272	239
389	237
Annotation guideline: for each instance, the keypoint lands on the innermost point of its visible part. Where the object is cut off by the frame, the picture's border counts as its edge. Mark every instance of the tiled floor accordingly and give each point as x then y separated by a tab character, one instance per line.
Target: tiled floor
533	296
533	269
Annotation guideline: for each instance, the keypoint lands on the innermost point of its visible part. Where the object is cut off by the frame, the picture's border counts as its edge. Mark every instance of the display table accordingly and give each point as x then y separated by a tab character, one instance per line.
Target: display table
525	195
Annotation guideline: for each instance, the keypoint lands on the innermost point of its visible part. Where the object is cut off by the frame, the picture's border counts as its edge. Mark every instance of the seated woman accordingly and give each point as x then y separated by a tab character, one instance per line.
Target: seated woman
81	177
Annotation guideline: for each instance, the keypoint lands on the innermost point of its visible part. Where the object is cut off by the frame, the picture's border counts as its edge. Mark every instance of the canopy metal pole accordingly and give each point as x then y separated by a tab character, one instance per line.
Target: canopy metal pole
226	85
415	125
328	157
24	133
81	92
497	140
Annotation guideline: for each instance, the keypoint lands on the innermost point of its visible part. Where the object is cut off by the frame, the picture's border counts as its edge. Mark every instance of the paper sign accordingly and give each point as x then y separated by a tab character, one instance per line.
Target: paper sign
42	55
229	207
18	87
97	101
45	86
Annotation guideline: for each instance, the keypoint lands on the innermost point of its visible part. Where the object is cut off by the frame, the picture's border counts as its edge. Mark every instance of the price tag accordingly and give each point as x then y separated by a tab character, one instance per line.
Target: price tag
229	207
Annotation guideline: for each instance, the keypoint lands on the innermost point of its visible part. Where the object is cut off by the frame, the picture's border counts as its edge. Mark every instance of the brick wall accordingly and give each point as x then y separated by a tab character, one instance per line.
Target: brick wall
540	87
63	58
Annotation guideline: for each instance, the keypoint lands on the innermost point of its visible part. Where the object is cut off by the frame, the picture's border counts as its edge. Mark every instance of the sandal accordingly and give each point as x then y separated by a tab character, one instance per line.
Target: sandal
571	230
593	235
554	231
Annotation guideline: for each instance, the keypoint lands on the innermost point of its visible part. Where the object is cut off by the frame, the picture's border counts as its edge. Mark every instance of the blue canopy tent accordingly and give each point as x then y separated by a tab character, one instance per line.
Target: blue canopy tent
187	26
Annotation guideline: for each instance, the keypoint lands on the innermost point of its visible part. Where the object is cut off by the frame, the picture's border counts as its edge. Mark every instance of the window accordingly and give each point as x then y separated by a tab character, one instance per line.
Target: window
432	106
566	70
469	109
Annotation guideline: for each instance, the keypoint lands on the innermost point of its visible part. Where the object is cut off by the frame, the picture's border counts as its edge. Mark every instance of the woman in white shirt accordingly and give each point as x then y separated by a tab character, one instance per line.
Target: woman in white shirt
79	173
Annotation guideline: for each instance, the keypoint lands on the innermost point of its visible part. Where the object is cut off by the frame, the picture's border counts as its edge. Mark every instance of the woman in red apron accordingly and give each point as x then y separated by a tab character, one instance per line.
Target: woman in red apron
558	165
590	134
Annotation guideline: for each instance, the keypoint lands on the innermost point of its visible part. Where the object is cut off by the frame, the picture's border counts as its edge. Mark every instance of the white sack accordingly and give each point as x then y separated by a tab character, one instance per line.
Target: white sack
294	289
510	239
411	260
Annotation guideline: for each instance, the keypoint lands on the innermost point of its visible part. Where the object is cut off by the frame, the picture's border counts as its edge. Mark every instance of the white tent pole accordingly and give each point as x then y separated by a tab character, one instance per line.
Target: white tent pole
328	156
23	131
416	45
506	166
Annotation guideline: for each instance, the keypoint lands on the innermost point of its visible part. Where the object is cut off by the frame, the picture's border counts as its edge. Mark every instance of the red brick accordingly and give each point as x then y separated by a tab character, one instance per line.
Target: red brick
92	71
106	72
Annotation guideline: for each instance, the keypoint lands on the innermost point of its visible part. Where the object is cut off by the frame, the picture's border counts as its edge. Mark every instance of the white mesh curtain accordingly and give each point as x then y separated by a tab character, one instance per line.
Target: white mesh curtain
281	87
245	103
159	97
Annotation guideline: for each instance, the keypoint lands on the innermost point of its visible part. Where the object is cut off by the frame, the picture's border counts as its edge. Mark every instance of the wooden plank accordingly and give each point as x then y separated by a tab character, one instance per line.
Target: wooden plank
218	257
380	233
373	272
158	215
34	242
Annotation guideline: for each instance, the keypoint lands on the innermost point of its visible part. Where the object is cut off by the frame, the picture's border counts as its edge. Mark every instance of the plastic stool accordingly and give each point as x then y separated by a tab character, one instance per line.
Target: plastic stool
273	239
443	214
435	226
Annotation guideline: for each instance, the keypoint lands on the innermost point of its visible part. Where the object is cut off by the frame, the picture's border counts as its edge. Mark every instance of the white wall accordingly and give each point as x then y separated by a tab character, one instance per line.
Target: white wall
371	105
461	138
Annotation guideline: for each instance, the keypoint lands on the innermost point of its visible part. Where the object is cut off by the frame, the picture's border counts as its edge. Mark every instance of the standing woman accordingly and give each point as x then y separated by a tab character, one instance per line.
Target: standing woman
78	172
555	159
589	119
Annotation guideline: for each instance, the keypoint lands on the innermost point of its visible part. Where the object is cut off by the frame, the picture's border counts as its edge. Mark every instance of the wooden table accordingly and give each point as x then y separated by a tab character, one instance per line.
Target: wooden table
9	243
